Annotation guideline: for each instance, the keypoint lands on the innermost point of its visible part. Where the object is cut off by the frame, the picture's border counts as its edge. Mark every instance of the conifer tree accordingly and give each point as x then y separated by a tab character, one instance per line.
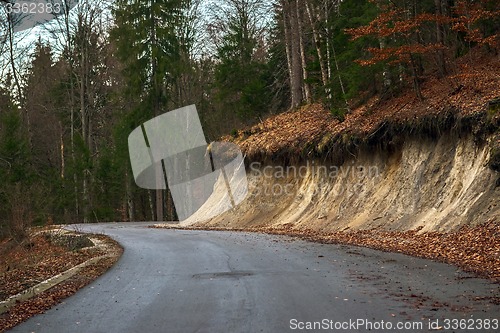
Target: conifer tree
145	35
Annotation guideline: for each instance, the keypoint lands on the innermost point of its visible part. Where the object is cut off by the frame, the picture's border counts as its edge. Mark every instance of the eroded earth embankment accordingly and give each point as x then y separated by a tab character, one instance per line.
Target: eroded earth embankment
438	184
432	198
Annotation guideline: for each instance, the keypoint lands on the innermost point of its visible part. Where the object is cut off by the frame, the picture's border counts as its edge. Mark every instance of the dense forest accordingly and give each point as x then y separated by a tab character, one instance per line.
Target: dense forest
73	89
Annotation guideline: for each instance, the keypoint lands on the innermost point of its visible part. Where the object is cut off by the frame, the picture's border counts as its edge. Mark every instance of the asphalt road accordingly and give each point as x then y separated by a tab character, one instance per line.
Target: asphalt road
197	281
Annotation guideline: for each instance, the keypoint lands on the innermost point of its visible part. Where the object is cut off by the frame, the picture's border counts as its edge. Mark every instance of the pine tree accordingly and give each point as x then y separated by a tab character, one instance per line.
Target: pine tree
241	75
145	35
15	172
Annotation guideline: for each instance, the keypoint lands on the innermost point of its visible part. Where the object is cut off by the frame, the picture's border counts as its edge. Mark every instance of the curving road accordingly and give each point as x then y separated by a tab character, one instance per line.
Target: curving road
201	281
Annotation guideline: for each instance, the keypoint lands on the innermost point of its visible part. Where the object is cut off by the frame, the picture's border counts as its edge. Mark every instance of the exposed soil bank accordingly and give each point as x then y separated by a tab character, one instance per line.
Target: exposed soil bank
426	184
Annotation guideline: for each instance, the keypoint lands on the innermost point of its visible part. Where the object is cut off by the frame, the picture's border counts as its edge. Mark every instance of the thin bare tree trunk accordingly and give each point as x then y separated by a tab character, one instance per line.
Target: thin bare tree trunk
340	79
305	74
12	58
296	77
129	198
151	205
61	147
416	82
288	43
72	105
156	111
328	52
321	60
440	38
83	118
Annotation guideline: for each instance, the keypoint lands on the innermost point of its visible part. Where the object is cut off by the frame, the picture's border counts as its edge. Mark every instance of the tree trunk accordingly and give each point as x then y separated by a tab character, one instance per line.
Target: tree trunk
151	205
440	38
328	51
61	147
129	198
72	107
340	79
296	70
305	74
321	60
288	43
156	111
416	82
83	118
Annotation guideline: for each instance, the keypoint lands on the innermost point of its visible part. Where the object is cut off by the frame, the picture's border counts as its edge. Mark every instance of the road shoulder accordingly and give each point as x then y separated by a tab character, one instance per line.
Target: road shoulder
51	265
